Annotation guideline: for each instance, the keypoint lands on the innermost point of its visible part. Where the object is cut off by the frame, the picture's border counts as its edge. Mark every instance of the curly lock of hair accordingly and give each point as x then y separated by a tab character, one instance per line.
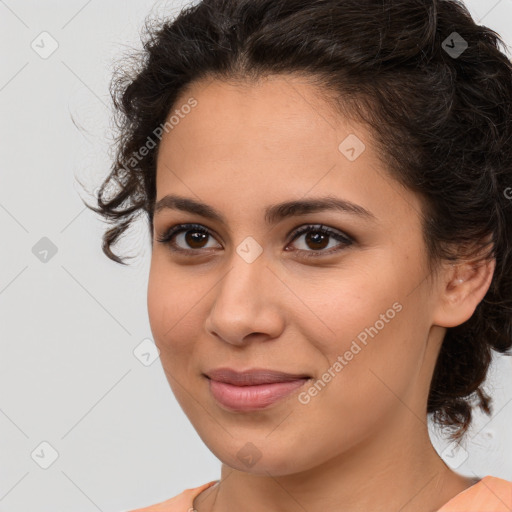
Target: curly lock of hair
442	124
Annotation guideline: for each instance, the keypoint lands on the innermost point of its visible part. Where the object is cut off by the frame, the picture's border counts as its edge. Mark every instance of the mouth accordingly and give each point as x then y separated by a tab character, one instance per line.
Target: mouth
252	389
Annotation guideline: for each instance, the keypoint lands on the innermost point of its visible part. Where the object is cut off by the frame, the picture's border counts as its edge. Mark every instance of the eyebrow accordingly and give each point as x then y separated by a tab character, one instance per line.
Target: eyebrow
273	213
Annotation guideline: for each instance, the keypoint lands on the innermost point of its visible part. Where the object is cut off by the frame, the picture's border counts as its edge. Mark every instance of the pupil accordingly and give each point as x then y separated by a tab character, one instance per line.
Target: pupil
316	239
193	237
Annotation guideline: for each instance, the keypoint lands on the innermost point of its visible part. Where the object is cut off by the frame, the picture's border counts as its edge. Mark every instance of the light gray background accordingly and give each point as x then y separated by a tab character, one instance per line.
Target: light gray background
68	327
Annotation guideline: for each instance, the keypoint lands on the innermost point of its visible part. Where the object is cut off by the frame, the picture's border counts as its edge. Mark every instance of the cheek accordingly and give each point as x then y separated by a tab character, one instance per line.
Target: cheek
170	304
340	308
369	338
175	326
378	383
158	302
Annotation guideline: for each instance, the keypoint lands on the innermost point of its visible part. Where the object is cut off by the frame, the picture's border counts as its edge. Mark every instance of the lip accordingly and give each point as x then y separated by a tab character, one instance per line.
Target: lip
252	389
253	376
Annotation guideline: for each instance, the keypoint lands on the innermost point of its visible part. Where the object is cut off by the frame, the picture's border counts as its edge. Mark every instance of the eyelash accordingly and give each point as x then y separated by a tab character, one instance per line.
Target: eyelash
167	236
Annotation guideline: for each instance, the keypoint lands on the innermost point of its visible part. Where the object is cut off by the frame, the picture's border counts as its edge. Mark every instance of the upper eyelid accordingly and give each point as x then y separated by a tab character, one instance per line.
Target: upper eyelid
303	228
183	227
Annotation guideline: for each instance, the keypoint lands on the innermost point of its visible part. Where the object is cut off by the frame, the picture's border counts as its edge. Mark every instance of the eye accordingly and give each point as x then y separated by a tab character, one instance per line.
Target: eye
317	238
196	237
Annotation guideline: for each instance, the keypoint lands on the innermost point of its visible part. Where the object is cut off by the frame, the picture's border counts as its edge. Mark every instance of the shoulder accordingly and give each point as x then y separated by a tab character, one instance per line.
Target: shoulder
182	502
490	494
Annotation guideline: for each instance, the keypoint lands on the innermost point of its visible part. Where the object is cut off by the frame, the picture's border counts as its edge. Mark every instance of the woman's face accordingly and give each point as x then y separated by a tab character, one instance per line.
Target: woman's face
355	316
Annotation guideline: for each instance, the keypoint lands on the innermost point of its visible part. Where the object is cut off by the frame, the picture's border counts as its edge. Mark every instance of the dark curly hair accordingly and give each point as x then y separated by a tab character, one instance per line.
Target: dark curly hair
440	114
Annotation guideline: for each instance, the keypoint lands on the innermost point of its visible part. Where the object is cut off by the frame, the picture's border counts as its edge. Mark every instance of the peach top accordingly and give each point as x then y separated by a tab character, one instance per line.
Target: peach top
490	494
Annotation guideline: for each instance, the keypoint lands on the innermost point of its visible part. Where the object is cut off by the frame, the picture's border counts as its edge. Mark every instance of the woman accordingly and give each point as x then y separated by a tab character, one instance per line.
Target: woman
327	185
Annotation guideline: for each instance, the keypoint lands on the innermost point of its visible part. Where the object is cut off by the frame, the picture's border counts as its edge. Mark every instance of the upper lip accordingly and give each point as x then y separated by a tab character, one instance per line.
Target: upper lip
253	376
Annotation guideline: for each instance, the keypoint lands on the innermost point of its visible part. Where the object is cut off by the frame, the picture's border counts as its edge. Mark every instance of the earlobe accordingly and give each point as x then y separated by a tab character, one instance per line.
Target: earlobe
464	288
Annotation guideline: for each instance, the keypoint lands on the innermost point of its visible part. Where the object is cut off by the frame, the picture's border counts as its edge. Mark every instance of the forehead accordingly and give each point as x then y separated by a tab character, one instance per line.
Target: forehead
269	142
290	94
277	120
286	108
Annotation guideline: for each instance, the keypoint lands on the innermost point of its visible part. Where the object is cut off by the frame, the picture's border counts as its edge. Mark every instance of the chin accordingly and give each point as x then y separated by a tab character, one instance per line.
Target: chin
261	458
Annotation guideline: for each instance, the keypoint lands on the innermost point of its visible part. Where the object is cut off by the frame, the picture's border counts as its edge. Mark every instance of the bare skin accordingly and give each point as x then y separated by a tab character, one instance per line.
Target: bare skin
361	442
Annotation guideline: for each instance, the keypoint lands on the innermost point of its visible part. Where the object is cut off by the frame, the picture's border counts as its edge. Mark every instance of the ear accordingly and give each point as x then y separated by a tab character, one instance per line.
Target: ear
463	288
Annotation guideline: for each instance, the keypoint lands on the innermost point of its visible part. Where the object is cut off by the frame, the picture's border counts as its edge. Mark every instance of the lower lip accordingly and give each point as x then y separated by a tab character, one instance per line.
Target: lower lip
247	398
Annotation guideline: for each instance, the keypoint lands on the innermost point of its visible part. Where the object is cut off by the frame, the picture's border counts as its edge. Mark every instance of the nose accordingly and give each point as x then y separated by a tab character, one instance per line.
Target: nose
246	304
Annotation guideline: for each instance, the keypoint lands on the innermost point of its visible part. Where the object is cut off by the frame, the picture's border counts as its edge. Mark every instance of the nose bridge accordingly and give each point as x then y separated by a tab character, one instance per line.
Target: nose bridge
247	272
243	285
